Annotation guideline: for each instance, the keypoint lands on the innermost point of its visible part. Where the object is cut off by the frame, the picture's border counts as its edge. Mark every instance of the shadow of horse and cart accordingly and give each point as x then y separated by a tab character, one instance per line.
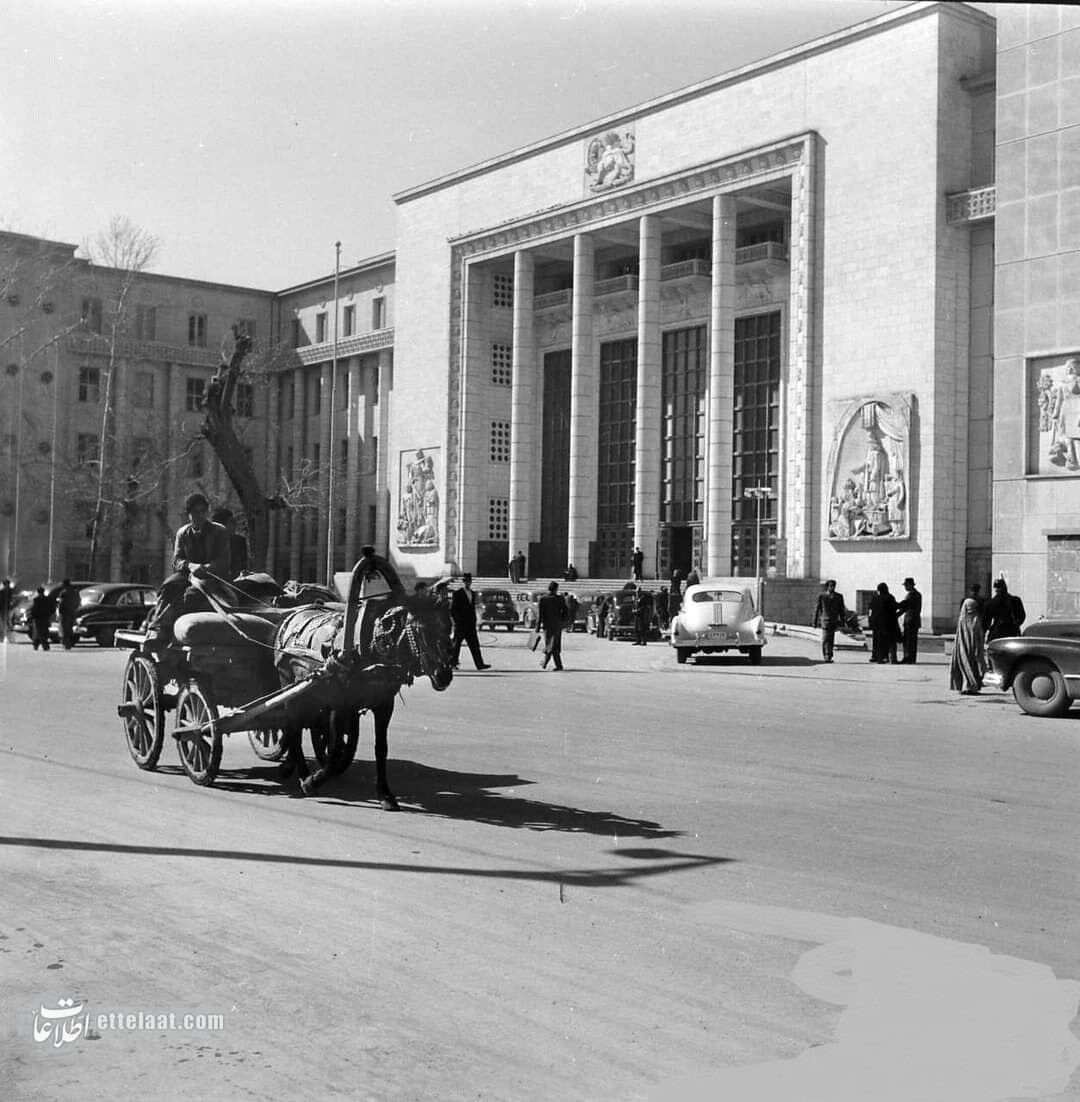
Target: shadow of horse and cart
262	664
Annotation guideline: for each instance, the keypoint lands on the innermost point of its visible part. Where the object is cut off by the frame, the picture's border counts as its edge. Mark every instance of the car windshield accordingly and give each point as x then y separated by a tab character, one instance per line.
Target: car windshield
91	596
494	595
728	596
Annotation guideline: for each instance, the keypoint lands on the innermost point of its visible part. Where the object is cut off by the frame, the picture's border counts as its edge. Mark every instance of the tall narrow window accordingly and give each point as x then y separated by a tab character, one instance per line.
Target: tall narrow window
196	330
195	390
145	323
320	328
500	441
615	459
89	384
144	390
378	313
683	427
297	333
502	290
755	440
502	356
247	325
91	314
349	320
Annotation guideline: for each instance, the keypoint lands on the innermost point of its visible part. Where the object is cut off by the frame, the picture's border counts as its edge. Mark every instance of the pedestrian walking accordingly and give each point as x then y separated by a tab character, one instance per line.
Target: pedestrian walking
910	608
463	612
639	563
675	600
693	578
42	609
7	599
552	614
883	625
829	615
602	614
572	606
968	665
67	601
663	613
1004	613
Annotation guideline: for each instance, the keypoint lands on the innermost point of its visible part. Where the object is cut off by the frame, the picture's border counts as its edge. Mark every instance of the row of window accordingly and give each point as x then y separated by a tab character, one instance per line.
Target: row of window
143	392
323	332
313	391
143	323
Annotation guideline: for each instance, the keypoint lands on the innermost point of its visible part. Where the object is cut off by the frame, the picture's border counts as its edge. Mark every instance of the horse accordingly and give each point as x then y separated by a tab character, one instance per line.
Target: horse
382	642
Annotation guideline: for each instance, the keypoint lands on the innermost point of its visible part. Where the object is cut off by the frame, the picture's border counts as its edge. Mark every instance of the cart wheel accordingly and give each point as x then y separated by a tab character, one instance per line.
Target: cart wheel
200	755
144	721
269	745
334	742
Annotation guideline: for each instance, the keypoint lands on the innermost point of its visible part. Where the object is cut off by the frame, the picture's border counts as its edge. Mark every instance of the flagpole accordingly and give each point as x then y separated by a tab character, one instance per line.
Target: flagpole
331	448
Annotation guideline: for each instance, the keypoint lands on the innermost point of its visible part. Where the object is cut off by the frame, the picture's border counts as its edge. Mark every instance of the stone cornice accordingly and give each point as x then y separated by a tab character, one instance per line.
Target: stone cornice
714	177
347	346
93	345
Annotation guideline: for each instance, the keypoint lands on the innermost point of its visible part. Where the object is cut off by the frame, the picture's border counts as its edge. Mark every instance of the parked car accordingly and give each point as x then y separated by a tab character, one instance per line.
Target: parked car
495	609
527	601
1041	666
716	616
20	615
105	607
621	618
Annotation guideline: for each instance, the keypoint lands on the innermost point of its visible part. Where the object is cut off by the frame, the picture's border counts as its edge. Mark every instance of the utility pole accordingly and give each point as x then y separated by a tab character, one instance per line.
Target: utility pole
759	494
331	447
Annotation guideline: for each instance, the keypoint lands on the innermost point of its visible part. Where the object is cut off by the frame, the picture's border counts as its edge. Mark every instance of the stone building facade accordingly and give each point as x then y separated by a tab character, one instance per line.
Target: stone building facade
752	284
1036	510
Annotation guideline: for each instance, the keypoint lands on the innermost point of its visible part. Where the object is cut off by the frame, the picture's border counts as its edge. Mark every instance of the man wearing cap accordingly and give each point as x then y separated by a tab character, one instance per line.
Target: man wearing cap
910	609
1004	613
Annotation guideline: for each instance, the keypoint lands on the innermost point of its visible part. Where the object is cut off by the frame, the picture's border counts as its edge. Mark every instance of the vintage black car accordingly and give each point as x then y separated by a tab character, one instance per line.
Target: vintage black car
104	607
495	609
1041	666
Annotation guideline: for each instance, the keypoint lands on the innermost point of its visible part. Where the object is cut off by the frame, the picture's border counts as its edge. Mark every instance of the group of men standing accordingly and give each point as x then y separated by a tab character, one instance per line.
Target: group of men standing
43	608
892	622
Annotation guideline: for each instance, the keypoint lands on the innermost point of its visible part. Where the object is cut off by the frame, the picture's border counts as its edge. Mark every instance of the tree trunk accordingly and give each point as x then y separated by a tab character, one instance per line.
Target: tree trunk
220	430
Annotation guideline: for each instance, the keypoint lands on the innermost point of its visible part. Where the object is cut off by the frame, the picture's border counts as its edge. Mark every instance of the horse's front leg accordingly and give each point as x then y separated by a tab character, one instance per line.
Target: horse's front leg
294	761
381	713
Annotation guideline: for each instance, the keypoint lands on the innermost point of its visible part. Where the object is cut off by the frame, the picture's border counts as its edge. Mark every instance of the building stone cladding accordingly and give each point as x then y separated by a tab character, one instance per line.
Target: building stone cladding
881	204
1037	276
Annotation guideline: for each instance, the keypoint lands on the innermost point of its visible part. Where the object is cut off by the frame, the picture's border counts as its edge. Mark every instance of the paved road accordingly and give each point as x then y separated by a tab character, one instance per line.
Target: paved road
627	880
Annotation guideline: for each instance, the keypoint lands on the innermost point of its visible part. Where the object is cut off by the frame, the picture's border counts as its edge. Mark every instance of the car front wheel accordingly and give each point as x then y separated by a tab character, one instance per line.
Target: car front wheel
1040	689
105	637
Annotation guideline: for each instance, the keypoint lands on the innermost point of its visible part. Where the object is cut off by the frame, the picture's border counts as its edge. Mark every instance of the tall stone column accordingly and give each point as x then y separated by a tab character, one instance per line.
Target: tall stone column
584	401
271	471
523	444
475	417
383	474
647	457
175	473
720	413
355	410
119	453
299	412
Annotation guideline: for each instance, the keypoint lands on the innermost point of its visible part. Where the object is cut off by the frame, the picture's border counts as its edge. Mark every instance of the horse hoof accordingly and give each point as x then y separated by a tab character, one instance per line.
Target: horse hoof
388	803
307	787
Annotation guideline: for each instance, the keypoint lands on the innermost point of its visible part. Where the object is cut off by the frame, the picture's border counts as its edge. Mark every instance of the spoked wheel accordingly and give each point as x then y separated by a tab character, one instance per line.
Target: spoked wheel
200	754
268	745
141	711
334	738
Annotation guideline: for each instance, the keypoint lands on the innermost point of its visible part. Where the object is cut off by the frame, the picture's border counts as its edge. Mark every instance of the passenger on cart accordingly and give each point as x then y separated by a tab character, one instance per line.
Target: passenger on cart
201	549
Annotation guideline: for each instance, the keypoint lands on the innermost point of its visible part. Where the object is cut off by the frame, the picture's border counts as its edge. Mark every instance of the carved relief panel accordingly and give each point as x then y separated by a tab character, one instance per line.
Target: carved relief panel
1053	401
418	522
869	474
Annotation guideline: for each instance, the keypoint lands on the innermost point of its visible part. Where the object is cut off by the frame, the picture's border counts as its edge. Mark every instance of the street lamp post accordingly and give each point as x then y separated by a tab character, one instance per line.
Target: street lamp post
759	494
331	528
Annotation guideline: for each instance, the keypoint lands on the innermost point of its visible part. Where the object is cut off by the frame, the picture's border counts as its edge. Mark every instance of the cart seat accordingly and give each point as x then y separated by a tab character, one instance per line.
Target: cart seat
213	629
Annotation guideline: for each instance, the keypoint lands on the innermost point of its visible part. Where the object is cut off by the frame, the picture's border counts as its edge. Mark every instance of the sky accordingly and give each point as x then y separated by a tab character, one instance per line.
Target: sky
250	135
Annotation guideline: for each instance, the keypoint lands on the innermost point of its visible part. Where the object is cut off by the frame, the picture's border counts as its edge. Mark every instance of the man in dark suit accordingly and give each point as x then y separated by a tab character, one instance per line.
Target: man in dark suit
910	608
829	615
463	613
639	563
552	614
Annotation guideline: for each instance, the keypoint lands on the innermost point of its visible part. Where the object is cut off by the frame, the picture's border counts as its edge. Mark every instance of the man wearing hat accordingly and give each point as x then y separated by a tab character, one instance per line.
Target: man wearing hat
1004	613
910	609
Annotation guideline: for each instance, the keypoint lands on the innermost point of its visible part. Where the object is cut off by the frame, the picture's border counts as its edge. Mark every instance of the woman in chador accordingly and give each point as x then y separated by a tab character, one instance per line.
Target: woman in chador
968	664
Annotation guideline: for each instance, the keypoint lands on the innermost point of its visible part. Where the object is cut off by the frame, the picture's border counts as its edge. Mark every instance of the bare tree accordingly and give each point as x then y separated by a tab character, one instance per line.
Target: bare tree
122	250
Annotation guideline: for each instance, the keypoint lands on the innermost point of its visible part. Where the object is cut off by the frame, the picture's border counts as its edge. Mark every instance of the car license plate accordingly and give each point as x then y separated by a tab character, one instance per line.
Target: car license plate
721	636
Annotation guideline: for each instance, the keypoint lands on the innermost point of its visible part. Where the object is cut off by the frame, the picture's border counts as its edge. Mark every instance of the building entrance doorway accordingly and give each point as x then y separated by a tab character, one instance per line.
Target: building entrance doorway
680	548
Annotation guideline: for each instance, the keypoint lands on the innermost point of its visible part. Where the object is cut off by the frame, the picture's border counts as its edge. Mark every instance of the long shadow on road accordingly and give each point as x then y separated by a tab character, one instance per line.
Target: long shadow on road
453	795
665	861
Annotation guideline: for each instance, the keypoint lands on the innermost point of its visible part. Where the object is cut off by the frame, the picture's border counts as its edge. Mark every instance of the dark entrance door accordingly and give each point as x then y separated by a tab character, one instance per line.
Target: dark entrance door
682	547
550	556
615	466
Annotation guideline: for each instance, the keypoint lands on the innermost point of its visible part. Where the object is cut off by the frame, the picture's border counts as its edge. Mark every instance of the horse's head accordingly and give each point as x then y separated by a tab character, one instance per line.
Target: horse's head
415	635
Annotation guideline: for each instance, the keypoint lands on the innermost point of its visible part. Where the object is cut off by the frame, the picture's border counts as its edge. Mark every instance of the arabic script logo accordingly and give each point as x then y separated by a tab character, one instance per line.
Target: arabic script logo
66	1023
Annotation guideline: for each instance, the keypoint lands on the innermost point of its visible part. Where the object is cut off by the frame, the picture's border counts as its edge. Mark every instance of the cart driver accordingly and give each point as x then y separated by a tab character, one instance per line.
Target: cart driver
201	549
